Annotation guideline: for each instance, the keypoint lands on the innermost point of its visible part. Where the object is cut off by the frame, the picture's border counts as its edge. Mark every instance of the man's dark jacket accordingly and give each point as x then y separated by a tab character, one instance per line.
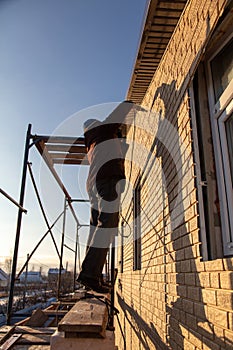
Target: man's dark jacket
104	153
104	147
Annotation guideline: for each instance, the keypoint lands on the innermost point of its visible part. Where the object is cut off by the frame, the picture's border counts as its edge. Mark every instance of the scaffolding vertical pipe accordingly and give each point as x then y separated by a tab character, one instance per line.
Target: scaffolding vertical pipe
62	249
75	257
79	256
107	266
19	221
25	284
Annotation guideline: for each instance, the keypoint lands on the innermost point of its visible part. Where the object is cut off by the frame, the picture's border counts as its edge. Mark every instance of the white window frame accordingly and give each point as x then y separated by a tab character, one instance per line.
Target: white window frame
219	112
200	183
137	248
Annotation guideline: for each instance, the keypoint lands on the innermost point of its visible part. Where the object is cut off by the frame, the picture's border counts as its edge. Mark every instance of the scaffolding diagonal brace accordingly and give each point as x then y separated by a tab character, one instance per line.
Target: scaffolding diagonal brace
41	207
40	241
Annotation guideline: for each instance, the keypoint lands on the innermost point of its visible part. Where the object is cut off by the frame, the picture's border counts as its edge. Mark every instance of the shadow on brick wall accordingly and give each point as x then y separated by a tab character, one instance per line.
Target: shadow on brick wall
187	314
140	327
187	322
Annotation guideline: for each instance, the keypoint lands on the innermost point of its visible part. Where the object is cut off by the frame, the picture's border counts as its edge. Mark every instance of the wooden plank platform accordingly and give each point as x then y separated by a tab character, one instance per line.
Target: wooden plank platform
87	318
59	342
83	324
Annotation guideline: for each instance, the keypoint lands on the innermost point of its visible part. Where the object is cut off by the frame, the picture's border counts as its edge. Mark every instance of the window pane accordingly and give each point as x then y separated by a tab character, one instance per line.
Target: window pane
229	133
222	69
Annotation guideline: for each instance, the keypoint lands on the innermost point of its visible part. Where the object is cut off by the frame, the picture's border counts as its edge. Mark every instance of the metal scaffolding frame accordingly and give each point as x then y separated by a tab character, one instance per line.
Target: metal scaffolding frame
54	150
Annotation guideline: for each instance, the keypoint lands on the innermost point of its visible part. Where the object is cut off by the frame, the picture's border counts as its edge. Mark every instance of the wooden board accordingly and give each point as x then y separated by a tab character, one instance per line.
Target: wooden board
31	347
35	330
55	312
35	339
6	329
87	316
5	333
10	341
37	319
25	337
63	303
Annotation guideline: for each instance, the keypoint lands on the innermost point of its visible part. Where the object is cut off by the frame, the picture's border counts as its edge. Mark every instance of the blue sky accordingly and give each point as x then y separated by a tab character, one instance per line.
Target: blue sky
57	58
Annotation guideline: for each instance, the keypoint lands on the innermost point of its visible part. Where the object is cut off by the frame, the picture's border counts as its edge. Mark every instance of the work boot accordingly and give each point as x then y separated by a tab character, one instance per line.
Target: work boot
105	283
92	284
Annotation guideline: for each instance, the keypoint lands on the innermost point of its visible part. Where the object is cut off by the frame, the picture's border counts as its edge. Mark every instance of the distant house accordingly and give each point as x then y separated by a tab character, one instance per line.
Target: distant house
3	278
53	274
32	277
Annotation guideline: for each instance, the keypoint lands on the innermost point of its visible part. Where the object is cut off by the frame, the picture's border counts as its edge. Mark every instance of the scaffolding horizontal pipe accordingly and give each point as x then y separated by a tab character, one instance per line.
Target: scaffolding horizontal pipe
60	139
13	201
67	155
66	148
70	161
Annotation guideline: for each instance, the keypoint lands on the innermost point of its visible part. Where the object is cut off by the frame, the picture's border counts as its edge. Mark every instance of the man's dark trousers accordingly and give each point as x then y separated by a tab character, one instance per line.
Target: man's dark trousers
104	200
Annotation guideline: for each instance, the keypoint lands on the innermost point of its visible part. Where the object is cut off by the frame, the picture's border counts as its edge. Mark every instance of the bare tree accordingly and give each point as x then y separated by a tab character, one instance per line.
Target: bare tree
8	265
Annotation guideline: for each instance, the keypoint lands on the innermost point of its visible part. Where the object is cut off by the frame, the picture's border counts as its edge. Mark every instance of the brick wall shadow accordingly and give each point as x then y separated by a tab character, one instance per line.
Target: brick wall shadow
187	323
142	329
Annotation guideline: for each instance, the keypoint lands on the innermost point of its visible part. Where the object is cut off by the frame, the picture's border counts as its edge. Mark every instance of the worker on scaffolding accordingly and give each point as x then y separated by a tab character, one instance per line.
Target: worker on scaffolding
105	183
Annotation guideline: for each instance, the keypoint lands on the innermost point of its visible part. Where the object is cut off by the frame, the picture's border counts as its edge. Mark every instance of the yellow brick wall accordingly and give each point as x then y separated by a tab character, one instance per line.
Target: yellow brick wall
175	300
